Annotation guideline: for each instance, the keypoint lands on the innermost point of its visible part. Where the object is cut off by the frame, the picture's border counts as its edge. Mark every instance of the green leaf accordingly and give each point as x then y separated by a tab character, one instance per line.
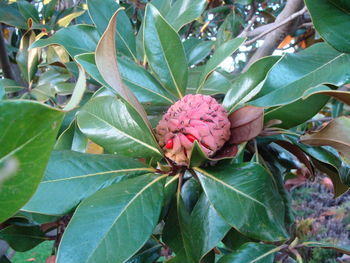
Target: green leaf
295	73
102	12
10	15
335	134
290	114
252	253
28	10
253	205
28	132
117	127
331	20
149	253
184	12
106	62
145	87
165	52
9	85
249	83
49	9
193	235
328	161
102	222
75	39
229	29
71	177
22	238
72	139
220	54
197	50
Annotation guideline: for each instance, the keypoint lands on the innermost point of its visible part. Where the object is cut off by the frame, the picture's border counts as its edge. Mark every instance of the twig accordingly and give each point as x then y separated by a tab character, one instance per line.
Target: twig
245	30
293	16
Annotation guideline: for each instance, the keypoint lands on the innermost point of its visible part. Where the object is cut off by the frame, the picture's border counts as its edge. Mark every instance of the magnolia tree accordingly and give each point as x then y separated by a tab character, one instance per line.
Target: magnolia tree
124	139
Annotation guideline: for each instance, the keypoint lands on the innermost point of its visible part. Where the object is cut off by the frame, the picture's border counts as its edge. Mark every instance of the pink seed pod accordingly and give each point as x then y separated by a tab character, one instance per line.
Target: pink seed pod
193	118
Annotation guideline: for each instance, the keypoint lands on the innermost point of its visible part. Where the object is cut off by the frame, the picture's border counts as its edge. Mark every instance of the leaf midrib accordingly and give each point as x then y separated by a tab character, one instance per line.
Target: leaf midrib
123	211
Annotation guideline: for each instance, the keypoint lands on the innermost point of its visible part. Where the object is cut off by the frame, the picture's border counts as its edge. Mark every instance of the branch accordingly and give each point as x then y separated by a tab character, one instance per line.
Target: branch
275	34
4	59
275	26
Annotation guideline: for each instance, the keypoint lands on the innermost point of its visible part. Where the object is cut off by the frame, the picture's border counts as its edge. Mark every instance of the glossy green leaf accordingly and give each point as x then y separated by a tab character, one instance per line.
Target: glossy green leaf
117	127
72	139
331	18
290	114
253	205
145	87
295	73
10	15
197	50
184	12
249	83
193	235
220	54
28	131
101	229
75	39
165	52
71	177
101	12
252	253
106	62
23	238
217	82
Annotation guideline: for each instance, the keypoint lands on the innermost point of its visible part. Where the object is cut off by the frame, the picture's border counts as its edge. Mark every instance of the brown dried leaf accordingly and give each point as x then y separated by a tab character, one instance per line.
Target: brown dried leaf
335	134
246	123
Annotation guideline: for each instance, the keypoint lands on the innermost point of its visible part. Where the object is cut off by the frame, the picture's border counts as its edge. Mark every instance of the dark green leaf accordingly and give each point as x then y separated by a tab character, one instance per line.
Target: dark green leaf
72	139
117	127
10	15
220	54
75	39
28	132
249	83
101	12
185	11
101	228
197	50
22	238
28	10
289	79
71	177
252	253
165	52
252	204
331	19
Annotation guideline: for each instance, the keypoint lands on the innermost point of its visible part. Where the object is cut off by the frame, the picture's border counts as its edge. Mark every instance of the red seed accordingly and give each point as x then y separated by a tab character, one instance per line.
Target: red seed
169	144
190	137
